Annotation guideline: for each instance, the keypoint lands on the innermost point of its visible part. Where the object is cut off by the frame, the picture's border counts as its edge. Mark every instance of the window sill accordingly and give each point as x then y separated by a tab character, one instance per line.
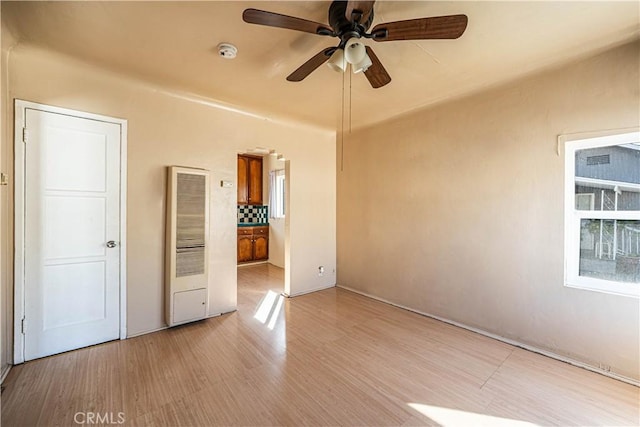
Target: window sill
631	290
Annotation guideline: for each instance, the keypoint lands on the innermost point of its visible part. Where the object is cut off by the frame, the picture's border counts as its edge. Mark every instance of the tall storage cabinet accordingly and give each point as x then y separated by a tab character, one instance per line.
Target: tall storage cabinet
187	246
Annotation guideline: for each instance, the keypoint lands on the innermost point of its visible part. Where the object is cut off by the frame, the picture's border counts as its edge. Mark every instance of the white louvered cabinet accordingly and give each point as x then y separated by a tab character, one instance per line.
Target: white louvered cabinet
187	246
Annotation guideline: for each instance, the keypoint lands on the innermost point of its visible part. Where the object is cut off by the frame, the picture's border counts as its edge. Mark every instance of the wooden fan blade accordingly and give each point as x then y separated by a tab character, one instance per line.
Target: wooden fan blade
376	74
437	27
308	67
363	6
271	19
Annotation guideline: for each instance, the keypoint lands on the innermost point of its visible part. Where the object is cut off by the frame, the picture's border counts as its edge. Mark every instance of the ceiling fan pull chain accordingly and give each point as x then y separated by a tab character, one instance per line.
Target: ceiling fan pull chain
342	128
350	110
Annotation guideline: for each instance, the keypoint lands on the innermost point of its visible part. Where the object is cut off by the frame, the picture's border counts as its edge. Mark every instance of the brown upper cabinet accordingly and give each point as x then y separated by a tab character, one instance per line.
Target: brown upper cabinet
249	180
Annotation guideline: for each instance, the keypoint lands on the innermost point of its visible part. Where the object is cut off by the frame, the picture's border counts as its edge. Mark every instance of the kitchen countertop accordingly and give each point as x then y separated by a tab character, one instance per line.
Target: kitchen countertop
253	224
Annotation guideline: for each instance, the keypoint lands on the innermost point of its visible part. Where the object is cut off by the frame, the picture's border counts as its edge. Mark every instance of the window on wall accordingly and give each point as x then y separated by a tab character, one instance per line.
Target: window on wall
602	214
276	194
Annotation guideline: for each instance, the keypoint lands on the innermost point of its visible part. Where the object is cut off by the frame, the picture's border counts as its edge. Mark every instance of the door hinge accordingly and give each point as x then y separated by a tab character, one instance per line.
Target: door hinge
25	135
24	326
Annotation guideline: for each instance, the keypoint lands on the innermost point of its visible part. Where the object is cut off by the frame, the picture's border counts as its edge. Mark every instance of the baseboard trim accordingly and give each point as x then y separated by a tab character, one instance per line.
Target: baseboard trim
515	343
297	294
247	264
4	373
138	334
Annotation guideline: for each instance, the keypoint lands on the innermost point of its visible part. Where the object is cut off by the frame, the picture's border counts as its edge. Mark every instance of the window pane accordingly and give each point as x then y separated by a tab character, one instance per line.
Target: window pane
608	178
279	200
282	194
629	201
600	199
610	249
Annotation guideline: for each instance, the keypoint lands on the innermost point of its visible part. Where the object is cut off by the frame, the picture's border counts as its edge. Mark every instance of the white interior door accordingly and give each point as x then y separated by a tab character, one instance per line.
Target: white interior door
71	233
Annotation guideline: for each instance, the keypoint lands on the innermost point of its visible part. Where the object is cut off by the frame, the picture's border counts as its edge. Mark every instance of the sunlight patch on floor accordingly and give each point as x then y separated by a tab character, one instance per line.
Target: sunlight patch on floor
276	313
456	418
269	309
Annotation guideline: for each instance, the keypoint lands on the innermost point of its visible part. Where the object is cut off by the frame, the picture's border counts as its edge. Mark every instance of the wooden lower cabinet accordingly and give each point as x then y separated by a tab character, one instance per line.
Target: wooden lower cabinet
260	248
245	248
253	244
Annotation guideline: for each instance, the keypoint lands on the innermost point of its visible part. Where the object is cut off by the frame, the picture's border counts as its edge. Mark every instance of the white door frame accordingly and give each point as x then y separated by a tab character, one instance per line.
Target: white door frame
19	212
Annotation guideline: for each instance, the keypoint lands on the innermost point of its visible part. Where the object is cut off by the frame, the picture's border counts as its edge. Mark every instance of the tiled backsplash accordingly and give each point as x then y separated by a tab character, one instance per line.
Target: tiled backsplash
250	214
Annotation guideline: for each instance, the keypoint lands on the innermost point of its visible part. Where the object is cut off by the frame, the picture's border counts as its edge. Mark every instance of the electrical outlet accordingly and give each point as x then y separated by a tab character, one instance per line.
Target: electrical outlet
321	270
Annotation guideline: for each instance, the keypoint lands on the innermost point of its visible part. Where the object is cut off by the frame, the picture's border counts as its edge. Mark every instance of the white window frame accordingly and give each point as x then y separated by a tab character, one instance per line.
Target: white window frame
574	216
278	199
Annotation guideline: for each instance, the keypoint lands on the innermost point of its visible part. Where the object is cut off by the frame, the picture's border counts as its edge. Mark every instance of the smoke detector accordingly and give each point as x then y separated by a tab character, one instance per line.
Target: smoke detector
227	50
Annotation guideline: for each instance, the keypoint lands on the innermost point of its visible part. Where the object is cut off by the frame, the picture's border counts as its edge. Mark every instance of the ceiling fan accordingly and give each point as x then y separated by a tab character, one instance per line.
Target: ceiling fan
349	21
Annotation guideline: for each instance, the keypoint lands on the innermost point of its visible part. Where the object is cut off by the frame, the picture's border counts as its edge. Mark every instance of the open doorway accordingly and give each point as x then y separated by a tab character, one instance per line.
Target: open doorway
262	231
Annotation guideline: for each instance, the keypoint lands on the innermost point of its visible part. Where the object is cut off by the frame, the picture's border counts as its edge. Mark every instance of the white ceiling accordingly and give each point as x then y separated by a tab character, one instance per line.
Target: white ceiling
174	44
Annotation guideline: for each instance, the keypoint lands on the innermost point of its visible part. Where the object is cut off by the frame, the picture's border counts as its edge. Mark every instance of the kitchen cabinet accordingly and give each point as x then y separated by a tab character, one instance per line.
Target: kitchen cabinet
253	244
245	245
249	180
261	243
243	180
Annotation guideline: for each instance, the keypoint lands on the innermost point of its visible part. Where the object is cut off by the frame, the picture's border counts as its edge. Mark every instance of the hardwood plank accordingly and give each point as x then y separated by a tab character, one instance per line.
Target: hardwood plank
328	358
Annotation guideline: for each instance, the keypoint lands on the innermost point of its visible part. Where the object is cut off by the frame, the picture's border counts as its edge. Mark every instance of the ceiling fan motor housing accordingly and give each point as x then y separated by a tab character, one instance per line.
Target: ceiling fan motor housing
344	28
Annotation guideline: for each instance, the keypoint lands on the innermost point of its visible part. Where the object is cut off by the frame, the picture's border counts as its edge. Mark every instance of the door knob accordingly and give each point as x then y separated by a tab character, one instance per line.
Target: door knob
111	244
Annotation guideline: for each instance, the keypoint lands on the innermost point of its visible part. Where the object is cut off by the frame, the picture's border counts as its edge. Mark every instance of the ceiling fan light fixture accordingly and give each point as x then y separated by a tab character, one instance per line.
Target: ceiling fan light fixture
363	65
337	61
354	51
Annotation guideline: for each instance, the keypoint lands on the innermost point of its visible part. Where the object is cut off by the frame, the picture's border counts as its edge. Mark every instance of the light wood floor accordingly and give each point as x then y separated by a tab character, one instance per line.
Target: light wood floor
327	358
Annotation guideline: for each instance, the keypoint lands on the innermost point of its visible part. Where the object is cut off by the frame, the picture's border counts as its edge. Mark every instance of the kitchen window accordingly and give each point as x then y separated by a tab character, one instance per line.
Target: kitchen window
276	196
602	214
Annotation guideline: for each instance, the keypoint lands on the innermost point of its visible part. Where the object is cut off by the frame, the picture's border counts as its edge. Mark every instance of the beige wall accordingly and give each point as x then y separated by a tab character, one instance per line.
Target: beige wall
457	211
163	130
6	295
